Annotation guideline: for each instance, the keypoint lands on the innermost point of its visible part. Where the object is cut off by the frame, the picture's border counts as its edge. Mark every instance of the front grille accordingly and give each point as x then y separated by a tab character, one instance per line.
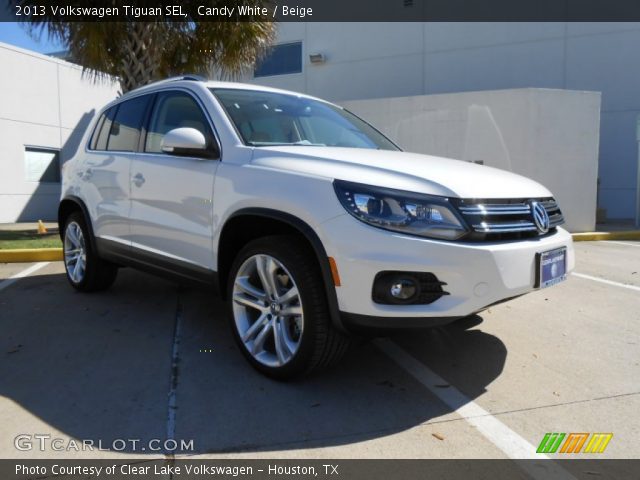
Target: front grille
493	220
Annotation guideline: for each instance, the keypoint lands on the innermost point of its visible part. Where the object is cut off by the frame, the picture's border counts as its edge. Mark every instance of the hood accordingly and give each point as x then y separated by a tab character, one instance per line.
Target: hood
400	170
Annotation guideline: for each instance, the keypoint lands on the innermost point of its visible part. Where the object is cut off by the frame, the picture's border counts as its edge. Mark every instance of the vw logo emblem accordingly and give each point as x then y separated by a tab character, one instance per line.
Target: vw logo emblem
540	217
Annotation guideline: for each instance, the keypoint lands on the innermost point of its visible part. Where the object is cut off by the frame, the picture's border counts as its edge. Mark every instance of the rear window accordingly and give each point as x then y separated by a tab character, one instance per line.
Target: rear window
125	128
101	133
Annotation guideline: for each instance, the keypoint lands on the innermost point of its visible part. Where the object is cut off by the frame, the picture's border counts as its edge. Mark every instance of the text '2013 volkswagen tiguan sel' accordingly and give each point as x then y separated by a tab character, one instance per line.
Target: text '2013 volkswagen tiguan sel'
307	220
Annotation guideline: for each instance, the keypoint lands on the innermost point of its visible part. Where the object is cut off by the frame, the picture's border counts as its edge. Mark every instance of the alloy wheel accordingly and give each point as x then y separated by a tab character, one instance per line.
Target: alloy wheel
267	310
75	253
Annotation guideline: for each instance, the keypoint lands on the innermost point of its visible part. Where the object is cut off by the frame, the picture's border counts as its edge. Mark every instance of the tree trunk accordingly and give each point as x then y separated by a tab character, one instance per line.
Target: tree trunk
141	51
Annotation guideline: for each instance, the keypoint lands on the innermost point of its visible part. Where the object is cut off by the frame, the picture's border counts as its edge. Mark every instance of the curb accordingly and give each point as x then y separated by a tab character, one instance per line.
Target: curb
598	236
31	255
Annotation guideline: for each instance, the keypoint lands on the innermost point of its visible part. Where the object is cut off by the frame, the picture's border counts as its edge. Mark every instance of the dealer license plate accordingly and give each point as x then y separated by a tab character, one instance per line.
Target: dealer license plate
552	267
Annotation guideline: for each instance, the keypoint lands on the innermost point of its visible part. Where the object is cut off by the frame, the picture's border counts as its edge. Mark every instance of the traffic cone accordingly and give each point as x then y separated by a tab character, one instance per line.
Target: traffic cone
41	228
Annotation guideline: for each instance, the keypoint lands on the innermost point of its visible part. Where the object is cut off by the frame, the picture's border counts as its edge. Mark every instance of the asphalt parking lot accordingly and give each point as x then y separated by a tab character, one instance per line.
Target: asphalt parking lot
99	367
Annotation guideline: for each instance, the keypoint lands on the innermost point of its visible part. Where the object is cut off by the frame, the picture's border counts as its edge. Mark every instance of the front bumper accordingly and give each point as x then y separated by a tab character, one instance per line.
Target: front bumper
477	274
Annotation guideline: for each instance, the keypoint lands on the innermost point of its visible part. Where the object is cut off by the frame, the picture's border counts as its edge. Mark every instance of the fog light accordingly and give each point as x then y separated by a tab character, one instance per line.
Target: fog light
403	289
406	288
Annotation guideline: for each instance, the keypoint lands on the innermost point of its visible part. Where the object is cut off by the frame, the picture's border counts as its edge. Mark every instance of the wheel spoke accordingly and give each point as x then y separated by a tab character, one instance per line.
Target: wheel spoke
77	268
282	348
258	343
244	299
291	310
266	271
253	329
73	236
291	294
243	284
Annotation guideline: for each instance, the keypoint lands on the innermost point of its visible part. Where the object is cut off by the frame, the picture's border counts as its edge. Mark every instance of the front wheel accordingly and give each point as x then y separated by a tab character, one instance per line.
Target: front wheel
278	309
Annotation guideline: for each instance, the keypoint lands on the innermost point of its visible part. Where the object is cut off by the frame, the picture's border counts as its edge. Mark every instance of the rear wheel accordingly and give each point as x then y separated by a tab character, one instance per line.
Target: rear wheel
85	270
278	309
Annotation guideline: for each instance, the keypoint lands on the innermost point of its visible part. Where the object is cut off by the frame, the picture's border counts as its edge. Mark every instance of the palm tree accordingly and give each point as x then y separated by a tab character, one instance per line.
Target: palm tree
138	53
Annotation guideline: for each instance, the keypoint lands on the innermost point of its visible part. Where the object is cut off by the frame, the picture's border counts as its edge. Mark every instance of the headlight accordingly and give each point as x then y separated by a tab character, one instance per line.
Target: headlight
399	211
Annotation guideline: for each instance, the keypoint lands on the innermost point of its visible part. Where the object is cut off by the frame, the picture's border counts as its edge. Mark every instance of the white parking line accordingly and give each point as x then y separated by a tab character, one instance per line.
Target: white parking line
624	243
608	282
24	273
508	441
173	382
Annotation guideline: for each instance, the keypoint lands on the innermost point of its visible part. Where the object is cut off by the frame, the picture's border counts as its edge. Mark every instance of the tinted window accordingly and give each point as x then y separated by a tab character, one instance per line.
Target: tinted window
174	110
125	129
96	132
282	59
100	136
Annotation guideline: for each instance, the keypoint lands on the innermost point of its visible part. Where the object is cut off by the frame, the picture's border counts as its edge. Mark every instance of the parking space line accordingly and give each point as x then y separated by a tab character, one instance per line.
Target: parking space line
608	282
172	405
624	243
24	273
508	441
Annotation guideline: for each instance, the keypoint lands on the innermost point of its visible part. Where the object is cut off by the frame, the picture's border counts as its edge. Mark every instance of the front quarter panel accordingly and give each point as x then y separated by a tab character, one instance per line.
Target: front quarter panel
239	186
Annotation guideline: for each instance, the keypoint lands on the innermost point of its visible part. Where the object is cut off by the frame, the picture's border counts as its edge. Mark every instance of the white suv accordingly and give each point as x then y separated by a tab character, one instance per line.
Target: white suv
309	221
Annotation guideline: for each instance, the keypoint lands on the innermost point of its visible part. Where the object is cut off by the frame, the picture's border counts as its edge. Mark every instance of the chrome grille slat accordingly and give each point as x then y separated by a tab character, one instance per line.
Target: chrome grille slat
507	217
505	227
483	209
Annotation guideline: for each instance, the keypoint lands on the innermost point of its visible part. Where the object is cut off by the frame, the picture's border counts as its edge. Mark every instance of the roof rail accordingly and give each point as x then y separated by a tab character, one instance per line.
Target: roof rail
194	77
189	76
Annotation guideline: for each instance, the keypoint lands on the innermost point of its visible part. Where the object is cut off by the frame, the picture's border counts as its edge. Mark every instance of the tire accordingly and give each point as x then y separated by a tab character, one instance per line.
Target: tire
86	271
289	335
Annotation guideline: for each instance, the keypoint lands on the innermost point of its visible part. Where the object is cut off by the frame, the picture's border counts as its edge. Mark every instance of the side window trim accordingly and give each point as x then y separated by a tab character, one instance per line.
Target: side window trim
113	121
146	122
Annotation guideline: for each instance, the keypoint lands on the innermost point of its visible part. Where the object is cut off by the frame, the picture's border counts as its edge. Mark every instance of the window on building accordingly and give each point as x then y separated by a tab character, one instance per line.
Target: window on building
282	59
42	165
174	110
125	129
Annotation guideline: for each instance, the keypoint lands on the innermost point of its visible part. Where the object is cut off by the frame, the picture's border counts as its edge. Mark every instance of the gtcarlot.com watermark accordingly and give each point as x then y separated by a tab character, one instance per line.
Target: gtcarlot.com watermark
44	442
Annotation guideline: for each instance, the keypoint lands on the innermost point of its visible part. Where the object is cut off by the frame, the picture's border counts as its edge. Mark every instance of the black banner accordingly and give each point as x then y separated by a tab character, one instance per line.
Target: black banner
325	10
192	469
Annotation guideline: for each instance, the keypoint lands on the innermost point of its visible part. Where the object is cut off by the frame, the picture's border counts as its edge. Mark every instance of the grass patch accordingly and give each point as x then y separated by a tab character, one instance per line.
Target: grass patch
10	239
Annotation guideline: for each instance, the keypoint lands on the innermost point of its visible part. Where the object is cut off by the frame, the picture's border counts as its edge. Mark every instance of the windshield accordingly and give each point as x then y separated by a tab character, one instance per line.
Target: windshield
268	118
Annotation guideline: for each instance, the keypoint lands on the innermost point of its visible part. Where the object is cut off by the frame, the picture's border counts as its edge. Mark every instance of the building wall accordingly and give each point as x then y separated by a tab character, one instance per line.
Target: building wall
44	102
378	60
548	135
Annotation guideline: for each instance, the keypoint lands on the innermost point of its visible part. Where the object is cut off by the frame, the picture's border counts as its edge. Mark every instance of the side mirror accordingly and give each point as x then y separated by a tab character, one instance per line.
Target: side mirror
187	142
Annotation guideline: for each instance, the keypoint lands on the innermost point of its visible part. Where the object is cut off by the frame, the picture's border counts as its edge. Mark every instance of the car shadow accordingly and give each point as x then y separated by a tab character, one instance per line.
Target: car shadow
98	367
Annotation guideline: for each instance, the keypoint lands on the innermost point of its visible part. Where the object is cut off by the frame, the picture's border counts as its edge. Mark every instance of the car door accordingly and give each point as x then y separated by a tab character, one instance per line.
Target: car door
172	196
106	173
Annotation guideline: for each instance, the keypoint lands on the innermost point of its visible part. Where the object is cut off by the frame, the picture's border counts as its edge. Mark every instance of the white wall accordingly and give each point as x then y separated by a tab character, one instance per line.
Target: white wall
44	102
378	60
548	135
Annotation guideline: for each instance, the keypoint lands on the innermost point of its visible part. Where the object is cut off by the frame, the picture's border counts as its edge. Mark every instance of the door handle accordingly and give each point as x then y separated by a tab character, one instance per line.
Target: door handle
138	179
